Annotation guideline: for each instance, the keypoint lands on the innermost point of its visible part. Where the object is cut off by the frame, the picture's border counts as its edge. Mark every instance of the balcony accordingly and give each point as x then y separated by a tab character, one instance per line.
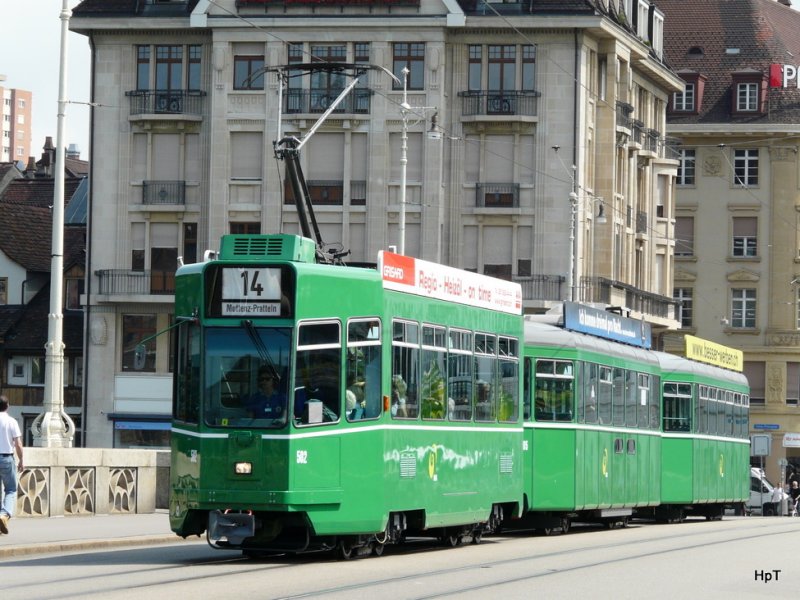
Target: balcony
122	282
624	112
166	102
541	287
652	137
641	222
499	103
317	101
637	132
164	192
614	293
497	195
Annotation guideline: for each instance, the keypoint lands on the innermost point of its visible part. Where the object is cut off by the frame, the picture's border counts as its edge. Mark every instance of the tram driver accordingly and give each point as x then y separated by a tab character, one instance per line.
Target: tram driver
267	402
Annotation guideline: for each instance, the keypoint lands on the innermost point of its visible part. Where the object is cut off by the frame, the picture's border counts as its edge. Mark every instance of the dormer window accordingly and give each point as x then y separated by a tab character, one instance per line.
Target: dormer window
689	101
748	93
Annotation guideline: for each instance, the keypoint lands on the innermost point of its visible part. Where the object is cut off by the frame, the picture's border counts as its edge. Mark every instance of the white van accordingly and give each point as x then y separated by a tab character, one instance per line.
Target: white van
765	498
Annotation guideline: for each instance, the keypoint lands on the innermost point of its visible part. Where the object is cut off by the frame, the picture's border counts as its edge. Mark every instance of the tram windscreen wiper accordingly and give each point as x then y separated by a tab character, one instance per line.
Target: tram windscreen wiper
258	343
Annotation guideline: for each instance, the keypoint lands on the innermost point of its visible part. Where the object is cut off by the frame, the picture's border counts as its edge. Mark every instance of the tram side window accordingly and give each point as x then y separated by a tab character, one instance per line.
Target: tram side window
526	390
508	363
631	398
604	387
485	376
643	397
618	416
730	430
590	384
702	410
405	369
655	403
434	358
712	410
459	375
363	399
554	390
317	395
677	406
187	377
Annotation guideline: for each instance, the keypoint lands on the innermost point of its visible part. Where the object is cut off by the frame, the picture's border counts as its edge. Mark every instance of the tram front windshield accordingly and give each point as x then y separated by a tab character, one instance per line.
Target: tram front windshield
246	377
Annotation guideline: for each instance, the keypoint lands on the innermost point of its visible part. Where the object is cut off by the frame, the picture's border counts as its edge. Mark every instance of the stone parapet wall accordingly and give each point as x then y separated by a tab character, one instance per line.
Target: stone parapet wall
92	481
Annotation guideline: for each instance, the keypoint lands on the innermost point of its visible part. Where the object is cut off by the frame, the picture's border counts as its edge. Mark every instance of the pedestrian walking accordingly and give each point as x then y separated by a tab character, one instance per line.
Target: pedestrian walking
10	441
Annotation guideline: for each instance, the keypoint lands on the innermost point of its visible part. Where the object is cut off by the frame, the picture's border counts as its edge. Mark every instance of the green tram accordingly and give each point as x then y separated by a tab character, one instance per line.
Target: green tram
705	442
319	406
602	444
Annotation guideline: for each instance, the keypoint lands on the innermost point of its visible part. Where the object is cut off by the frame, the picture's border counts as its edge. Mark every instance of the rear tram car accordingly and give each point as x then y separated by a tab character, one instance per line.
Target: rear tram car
615	430
320	406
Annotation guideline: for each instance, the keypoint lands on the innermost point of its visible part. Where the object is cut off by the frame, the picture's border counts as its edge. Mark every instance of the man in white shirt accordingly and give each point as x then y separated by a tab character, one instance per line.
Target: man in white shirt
10	440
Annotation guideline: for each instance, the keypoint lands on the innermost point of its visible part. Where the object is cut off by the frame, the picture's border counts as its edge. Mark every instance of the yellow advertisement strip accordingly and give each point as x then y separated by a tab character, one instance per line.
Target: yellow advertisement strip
714	354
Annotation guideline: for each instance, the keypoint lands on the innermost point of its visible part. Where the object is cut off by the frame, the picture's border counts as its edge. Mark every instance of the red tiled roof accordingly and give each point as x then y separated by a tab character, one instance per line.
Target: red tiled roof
37	192
763	31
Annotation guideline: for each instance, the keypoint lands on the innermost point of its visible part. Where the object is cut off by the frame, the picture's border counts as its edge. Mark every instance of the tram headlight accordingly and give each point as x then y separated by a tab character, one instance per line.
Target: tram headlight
243	468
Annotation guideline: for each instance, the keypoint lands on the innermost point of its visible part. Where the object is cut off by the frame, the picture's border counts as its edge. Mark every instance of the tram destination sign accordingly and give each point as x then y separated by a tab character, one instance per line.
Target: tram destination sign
251	292
432	280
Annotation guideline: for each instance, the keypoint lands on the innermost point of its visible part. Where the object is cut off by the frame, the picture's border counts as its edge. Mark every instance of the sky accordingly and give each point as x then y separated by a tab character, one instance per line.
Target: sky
30	41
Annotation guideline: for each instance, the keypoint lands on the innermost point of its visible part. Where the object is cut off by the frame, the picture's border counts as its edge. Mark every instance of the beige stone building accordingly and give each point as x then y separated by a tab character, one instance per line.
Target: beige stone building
547	114
16	124
738	197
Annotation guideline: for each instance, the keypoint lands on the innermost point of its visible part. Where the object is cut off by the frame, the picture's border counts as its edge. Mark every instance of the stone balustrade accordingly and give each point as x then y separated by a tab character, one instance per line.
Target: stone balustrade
92	481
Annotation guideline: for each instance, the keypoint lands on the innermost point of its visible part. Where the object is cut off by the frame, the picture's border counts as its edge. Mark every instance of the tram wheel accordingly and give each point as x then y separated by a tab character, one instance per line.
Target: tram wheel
345	551
565	525
451	540
547	530
378	548
476	537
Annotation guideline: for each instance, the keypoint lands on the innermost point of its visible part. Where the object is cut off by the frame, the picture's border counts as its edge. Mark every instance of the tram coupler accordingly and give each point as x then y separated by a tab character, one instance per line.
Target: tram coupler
234	527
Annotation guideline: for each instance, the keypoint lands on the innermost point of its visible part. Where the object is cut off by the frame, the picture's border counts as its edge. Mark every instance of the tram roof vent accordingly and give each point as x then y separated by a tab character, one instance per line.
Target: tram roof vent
267	247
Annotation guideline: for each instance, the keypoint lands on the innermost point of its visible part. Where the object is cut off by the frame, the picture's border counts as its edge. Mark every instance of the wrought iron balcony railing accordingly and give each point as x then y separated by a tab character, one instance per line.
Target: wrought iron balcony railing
245	3
641	221
497	195
651	140
505	102
117	282
164	192
168	102
318	101
624	112
541	287
637	132
600	289
322	192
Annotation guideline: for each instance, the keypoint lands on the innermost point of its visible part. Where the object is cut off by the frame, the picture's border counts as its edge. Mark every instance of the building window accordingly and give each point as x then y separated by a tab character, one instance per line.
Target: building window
3	290
245	228
326	85
797	308
21	119
686	167
189	243
684	101
792	383
412	57
745	237
747	97
246	75
172	65
745	167
136	328
743	308
22	103
37	370
754	371
142	67
475	77
73	288
529	68
684	236
502	68
684	298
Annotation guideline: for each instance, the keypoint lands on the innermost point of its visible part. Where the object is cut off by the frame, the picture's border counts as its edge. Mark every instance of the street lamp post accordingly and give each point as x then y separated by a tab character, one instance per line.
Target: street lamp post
404	108
53	428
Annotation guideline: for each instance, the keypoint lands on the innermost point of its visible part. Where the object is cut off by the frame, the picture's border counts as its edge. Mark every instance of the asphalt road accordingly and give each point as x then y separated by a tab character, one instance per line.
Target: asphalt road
736	558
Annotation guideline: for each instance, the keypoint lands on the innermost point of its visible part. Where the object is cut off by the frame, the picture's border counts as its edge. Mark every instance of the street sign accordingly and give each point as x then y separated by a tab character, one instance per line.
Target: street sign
760	445
766	426
791	440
